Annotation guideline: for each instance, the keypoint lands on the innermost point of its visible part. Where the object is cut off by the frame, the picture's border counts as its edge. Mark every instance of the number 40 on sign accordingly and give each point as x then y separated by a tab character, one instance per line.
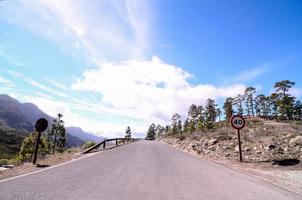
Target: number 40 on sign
238	123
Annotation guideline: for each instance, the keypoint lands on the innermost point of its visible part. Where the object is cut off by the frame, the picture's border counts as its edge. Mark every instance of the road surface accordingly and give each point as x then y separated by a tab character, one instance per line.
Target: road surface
138	171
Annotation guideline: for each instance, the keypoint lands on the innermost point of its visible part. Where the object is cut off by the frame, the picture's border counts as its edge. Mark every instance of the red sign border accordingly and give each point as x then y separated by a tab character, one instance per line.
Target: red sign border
240	116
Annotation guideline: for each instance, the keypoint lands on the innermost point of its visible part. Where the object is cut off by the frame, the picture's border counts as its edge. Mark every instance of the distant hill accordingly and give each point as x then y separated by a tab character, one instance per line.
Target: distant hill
12	115
78	132
22	117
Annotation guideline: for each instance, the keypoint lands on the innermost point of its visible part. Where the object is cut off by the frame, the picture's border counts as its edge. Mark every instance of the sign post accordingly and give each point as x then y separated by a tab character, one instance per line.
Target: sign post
238	123
41	125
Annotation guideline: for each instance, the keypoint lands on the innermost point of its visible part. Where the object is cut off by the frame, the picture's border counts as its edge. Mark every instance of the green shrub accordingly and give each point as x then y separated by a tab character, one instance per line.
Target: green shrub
297	122
88	144
69	150
15	161
3	162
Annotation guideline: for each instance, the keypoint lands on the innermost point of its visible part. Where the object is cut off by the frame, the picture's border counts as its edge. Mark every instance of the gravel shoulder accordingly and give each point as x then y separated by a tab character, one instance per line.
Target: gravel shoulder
49	161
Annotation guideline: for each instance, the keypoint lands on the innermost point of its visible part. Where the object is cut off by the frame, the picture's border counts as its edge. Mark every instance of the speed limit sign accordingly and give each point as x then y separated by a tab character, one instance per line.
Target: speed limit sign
238	122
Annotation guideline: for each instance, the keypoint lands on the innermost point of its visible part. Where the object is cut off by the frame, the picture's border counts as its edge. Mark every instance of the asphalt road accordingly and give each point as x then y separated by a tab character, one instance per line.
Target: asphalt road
138	171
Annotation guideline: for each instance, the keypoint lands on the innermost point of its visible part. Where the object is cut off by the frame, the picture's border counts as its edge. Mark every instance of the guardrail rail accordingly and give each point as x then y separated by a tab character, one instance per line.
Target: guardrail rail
109	140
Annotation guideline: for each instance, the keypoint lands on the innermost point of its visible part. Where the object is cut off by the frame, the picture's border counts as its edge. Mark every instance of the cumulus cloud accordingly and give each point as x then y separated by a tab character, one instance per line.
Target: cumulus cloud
151	90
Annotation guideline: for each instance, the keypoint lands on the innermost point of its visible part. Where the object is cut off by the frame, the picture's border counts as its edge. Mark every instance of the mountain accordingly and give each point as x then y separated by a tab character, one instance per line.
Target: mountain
33	113
78	132
23	116
12	115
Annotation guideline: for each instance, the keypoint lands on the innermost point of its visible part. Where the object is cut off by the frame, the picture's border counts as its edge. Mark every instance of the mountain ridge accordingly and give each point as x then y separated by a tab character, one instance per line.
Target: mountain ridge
23	116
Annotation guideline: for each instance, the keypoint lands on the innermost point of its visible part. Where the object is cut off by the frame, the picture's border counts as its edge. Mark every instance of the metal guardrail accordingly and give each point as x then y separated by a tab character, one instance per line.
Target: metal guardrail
109	140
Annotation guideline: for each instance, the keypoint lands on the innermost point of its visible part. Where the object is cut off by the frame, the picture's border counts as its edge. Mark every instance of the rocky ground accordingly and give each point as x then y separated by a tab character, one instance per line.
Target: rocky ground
271	150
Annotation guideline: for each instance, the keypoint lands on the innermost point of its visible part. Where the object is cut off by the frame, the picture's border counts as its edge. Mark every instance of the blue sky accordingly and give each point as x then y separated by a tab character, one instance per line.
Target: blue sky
110	64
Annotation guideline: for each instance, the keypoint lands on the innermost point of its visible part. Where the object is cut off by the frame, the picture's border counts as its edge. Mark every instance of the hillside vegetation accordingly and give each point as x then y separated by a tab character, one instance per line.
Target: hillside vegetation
273	132
262	141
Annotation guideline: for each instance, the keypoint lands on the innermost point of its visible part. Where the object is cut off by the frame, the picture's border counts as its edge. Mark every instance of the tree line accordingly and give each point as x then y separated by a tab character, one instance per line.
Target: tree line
280	105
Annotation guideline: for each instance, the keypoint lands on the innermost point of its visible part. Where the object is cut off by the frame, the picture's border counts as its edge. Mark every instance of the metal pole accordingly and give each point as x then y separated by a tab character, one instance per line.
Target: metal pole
239	144
36	148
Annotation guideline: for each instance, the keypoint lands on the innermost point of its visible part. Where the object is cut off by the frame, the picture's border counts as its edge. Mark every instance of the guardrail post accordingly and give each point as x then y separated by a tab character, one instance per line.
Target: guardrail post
104	145
116	142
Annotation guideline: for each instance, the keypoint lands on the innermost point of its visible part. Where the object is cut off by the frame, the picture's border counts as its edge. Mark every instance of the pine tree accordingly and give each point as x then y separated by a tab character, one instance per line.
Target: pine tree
128	132
200	118
228	109
151	132
175	118
186	126
273	104
193	116
57	131
167	129
211	114
179	127
298	110
249	100
238	101
159	130
263	105
285	101
283	86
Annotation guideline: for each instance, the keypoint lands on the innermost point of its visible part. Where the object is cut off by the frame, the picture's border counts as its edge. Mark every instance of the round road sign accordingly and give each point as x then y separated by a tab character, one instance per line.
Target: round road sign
41	124
238	122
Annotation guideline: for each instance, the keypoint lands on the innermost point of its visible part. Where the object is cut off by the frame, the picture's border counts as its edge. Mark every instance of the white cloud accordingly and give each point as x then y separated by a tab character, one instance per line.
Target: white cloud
150	90
5	81
9	58
71	118
37	84
250	74
102	30
55	83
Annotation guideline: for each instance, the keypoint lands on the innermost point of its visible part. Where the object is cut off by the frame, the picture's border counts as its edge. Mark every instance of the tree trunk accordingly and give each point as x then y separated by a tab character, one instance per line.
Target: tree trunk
54	144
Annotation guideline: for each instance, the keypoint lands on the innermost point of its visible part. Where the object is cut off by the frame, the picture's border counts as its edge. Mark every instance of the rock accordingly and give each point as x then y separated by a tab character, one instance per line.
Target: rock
227	155
255	148
207	152
212	148
8	166
270	147
286	149
205	144
295	141
213	141
237	148
3	168
257	152
246	149
225	147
